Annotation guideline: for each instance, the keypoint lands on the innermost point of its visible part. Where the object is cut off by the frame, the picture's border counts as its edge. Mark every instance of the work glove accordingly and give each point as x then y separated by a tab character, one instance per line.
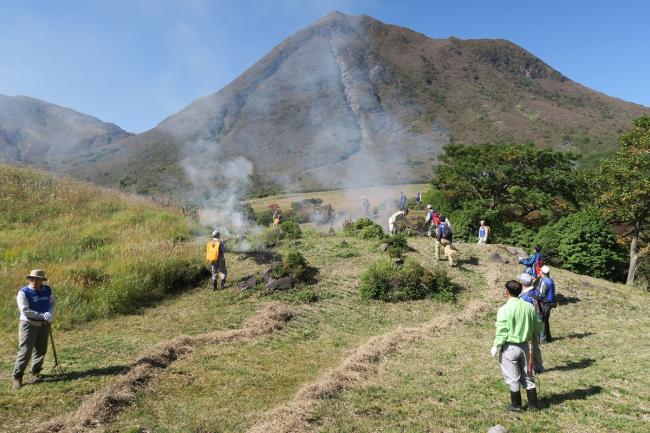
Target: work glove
47	317
495	350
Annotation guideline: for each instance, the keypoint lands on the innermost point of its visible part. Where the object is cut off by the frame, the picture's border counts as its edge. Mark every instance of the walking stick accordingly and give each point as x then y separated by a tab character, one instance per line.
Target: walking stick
57	366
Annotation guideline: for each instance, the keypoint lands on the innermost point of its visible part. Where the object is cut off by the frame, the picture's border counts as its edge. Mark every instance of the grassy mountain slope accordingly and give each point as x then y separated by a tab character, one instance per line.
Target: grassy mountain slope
348	365
354	101
106	252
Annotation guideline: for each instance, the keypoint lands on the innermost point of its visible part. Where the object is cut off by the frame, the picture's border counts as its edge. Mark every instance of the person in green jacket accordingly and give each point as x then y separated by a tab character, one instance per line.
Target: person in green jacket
516	323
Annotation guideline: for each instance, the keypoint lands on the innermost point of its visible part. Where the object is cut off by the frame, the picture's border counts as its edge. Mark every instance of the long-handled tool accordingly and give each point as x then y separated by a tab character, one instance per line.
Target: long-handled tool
57	367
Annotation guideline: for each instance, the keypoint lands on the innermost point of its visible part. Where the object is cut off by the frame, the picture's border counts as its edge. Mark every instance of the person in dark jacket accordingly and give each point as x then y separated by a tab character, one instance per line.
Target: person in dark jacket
533	263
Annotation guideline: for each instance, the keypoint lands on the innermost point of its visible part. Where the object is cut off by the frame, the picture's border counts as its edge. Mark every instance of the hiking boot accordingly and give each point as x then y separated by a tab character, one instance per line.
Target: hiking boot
533	404
515	402
17	383
214	284
223	284
35	377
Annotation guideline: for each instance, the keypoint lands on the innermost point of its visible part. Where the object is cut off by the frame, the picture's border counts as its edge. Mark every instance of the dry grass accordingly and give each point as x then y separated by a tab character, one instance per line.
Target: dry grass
103	405
349	200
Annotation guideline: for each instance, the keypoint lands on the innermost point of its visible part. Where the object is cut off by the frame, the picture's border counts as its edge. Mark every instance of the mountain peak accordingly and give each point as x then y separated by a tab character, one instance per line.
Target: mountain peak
352	101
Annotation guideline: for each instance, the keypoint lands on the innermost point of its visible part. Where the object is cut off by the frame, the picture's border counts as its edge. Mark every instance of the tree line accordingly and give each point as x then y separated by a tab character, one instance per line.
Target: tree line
589	220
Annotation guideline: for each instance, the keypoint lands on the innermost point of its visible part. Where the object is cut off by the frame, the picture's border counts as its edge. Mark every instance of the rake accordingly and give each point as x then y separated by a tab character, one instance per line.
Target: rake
57	368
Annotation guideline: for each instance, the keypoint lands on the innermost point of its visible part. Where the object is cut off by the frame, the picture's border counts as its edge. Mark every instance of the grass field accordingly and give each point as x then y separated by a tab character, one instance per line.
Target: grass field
341	364
349	200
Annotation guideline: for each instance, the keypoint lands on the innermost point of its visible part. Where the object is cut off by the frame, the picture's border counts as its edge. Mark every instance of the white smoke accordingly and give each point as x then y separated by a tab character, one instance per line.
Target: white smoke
219	185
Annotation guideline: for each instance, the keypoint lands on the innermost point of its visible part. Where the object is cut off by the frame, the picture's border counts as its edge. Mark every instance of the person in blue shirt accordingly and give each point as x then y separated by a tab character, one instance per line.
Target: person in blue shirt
533	263
546	290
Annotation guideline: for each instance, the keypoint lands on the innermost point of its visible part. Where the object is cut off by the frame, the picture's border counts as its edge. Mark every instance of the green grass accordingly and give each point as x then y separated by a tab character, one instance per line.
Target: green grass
103	252
444	381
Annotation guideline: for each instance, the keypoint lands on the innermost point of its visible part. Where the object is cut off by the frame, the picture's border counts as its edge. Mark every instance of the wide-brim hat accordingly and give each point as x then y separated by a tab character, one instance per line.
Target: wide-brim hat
37	273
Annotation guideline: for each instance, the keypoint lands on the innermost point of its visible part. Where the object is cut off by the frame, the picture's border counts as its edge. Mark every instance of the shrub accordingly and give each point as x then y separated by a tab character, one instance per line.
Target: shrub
371	232
583	242
263	218
387	282
514	233
295	263
290	230
397	245
363	228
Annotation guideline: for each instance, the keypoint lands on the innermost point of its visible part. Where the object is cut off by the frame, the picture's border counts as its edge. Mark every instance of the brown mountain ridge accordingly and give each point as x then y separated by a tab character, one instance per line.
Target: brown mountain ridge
350	100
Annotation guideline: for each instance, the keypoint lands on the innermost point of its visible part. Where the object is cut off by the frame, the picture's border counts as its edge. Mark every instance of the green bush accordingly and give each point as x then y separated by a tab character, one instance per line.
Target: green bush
385	281
263	218
583	242
290	230
363	228
371	232
397	245
514	233
295	263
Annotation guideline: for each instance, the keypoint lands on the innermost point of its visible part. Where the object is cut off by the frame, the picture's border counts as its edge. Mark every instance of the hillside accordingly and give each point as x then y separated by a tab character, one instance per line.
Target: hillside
109	253
37	132
229	361
354	101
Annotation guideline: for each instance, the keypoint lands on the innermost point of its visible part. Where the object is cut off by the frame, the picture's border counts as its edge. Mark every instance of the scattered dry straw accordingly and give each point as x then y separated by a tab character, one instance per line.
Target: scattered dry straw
102	406
357	368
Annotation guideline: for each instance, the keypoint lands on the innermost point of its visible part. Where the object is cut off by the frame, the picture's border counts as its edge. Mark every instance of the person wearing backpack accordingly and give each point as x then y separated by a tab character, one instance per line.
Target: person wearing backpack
214	255
36	305
547	295
483	233
515	325
533	263
530	294
444	236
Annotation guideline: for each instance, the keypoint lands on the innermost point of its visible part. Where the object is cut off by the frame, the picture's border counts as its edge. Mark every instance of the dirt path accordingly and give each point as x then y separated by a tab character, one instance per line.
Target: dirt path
102	406
364	362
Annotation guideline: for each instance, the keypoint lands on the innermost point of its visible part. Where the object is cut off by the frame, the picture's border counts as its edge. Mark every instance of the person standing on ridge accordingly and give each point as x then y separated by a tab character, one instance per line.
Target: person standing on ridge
366	206
399	215
516	322
533	263
483	233
215	256
546	290
36	305
402	201
418	199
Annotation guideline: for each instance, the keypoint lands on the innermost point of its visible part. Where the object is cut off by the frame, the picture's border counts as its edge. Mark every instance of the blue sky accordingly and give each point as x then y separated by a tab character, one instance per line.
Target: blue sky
136	62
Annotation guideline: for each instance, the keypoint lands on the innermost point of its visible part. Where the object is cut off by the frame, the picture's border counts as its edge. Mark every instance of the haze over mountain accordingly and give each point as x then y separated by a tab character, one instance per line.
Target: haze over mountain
353	101
38	132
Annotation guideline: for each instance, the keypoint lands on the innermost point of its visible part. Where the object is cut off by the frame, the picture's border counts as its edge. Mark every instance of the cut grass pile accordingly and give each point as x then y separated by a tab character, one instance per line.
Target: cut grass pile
104	252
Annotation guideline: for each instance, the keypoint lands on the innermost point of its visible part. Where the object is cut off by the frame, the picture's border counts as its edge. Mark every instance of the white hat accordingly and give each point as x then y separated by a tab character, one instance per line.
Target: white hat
546	269
525	279
429	206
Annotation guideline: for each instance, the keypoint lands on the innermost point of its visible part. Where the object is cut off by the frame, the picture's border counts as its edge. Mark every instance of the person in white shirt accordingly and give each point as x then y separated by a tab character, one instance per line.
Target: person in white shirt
36	305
